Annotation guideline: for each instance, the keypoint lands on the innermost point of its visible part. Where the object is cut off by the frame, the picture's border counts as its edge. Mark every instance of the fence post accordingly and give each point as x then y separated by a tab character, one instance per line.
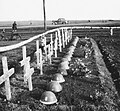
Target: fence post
5	77
111	31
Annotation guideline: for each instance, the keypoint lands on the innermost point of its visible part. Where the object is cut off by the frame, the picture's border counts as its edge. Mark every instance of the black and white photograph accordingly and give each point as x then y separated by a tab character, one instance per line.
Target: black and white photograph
59	55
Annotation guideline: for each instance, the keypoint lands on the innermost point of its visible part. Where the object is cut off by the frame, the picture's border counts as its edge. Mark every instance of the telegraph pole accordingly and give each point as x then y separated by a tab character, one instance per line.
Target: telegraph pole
45	27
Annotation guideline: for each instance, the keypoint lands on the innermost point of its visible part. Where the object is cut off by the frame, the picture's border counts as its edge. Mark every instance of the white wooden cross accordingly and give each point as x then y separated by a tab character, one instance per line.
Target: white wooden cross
56	38
5	77
51	44
45	48
63	38
39	57
70	33
27	70
56	44
59	38
66	36
50	53
48	49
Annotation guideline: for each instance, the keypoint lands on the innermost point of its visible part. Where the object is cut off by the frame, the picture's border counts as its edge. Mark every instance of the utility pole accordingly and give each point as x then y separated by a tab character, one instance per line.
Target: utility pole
45	27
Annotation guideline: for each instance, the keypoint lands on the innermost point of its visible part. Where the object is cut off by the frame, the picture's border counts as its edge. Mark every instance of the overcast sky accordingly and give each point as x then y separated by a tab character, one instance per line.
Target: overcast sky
69	9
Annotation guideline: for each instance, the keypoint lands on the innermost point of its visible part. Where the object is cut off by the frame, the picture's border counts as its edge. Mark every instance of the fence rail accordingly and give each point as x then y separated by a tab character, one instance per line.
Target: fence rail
11	47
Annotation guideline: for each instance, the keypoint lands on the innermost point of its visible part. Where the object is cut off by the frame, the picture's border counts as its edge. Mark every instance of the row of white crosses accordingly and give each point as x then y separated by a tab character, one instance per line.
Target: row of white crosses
61	39
7	73
28	71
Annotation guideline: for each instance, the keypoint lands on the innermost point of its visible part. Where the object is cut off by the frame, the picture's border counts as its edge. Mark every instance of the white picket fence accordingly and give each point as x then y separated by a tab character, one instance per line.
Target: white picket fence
62	36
